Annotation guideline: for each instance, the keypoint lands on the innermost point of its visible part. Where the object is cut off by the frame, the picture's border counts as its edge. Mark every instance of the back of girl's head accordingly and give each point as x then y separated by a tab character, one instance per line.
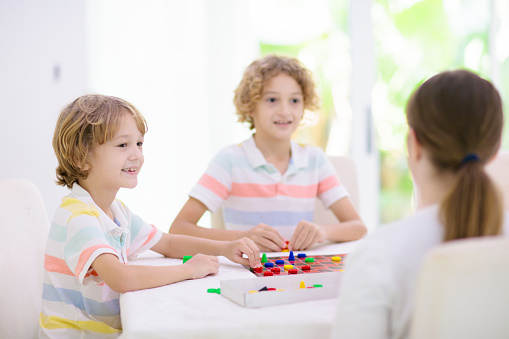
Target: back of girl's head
259	72
87	121
457	118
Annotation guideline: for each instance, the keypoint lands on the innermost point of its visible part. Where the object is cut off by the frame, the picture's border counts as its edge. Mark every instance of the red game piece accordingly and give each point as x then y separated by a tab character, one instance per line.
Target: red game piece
268	273
293	271
258	269
271	289
275	270
305	267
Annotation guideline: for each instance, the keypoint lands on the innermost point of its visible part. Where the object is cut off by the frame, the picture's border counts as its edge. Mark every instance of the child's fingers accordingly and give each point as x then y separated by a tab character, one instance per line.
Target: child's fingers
249	248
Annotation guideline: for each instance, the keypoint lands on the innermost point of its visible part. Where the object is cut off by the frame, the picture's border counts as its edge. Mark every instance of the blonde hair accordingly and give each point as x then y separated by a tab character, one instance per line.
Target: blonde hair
457	117
88	120
259	72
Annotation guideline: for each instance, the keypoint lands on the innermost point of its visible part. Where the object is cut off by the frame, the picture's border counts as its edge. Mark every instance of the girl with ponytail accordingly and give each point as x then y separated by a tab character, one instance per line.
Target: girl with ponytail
455	122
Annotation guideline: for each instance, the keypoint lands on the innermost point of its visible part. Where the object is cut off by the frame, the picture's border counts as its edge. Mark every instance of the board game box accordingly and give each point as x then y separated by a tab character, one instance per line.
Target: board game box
268	291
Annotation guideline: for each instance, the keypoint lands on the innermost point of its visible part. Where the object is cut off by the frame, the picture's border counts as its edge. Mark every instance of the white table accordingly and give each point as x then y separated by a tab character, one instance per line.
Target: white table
186	310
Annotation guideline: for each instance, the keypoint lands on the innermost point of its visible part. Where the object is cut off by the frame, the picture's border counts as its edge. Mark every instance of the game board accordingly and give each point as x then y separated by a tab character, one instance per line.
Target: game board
322	263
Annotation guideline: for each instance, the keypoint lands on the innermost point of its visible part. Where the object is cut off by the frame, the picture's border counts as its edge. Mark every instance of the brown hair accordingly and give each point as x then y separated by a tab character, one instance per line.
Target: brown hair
88	120
457	117
259	72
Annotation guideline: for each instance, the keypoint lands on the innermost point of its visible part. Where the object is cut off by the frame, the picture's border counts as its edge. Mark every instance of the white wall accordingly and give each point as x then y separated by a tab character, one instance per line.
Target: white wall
42	67
177	61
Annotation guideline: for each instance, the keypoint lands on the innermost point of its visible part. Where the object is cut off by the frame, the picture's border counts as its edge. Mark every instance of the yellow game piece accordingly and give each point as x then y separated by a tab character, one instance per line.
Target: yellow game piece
288	267
336	259
280	289
253	291
302	285
341	270
285	250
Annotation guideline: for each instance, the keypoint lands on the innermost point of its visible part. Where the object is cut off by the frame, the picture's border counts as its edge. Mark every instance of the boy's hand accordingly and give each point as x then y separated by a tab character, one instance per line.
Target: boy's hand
266	238
306	235
202	265
234	250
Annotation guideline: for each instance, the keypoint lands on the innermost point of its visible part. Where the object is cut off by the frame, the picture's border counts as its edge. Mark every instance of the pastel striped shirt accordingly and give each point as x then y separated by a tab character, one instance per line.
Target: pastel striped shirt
76	303
252	191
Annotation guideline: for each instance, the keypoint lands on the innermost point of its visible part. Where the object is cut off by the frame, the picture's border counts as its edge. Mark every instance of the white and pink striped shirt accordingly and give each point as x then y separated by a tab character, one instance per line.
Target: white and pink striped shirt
76	303
252	191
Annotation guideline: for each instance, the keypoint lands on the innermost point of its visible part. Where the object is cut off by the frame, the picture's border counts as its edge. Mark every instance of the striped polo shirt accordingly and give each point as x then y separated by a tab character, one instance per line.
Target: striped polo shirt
252	191
76	303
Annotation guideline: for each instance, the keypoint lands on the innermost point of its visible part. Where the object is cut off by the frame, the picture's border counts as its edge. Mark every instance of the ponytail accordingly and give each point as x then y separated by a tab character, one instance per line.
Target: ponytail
473	206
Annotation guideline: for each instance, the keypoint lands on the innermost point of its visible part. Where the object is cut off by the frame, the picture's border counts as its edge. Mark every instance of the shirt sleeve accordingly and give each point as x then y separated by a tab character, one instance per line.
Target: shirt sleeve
364	301
85	241
330	188
214	186
143	236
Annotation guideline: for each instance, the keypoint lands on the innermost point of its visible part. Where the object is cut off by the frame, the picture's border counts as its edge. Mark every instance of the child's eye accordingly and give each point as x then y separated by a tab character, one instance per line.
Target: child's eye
140	143
271	100
122	145
295	101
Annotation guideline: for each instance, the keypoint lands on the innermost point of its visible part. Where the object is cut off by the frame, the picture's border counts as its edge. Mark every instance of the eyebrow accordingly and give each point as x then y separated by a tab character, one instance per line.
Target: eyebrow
274	92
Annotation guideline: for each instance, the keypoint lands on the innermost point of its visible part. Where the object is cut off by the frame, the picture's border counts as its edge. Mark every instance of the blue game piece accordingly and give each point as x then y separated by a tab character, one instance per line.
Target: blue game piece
280	262
301	255
291	256
269	264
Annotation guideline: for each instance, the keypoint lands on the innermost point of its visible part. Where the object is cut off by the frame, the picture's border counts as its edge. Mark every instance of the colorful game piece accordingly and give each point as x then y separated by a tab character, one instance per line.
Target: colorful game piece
264	258
214	290
302	285
269	264
285	250
291	257
271	289
268	274
317	285
309	260
275	270
293	271
301	255
264	288
336	259
322	263
288	267
186	258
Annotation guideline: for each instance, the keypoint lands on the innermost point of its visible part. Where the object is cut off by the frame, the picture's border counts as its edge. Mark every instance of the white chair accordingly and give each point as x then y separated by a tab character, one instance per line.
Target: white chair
23	232
463	291
498	169
345	167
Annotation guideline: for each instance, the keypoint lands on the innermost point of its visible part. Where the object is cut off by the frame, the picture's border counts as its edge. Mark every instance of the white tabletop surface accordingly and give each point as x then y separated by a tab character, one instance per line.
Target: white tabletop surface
186	310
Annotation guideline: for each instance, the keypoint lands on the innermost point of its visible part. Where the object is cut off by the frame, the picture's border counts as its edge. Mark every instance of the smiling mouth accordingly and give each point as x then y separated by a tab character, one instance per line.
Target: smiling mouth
282	122
129	170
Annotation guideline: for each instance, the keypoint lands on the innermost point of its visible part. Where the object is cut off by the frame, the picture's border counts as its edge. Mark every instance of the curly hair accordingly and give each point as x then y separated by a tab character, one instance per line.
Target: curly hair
87	121
259	72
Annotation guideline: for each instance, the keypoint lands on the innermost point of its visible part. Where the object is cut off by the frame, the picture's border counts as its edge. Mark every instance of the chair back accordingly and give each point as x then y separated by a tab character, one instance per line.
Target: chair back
463	291
347	173
23	232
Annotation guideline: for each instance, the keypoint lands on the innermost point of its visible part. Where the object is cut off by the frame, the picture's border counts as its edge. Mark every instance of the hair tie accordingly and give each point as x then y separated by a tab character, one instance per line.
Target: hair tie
471	157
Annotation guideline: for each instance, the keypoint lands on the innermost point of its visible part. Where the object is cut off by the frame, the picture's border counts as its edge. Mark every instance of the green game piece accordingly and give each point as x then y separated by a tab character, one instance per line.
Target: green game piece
218	291
214	290
264	258
317	285
186	258
309	260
